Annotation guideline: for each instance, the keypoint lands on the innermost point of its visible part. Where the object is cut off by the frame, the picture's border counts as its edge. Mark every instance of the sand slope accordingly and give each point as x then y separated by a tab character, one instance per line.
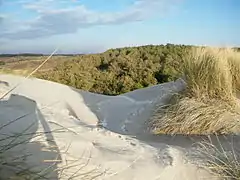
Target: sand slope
73	134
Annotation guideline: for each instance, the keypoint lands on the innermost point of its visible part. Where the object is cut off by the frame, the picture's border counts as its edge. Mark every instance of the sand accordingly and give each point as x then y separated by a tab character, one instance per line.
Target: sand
73	134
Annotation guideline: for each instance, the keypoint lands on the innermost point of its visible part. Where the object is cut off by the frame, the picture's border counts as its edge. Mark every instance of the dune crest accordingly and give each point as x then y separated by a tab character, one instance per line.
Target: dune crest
75	134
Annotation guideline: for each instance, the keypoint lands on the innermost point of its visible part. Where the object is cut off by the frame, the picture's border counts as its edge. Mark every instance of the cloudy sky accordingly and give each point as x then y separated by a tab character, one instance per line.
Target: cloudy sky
86	26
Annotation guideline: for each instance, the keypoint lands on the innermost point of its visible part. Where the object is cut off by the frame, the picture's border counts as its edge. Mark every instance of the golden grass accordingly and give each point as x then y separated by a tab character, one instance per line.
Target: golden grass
26	65
189	116
234	63
209	74
209	104
15	71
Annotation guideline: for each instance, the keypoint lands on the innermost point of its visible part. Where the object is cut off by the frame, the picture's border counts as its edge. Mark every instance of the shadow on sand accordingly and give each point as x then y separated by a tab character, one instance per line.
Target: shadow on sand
43	158
22	131
184	142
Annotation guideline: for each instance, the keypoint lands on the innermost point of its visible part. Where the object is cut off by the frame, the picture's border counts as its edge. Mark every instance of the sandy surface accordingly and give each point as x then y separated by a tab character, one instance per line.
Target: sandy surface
73	134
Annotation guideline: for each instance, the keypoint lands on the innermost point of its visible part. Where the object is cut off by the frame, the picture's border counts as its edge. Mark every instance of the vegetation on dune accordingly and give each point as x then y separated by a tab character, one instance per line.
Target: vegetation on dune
209	104
121	70
21	65
2	63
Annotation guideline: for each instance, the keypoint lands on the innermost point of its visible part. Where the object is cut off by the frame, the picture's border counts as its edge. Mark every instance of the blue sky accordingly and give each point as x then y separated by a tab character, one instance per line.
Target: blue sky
89	26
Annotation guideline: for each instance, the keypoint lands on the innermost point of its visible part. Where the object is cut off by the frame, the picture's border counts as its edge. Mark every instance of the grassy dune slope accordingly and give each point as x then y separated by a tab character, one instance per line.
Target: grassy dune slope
209	104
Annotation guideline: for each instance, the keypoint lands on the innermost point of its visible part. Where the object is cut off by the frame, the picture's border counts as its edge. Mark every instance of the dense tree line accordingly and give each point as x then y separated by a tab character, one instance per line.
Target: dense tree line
21	54
120	70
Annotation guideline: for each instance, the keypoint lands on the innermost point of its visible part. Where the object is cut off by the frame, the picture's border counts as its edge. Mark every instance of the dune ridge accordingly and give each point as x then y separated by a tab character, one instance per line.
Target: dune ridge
80	135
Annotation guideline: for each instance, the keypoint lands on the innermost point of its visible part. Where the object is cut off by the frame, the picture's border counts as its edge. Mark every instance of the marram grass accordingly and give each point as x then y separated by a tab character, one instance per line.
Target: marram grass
190	116
209	74
209	103
223	163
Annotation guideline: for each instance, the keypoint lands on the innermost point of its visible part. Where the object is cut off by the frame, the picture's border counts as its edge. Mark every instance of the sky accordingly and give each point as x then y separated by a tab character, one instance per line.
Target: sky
92	26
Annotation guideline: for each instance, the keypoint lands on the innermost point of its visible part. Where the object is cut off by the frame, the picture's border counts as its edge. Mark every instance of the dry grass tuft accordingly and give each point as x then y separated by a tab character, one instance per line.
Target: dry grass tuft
189	116
210	73
209	104
223	163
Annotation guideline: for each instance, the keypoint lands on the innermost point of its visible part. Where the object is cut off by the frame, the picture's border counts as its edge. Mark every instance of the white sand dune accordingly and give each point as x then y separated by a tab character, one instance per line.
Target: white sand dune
73	134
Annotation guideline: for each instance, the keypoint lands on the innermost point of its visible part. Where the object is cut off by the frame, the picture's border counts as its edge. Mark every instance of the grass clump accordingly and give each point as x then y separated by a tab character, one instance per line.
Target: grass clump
222	162
208	74
209	104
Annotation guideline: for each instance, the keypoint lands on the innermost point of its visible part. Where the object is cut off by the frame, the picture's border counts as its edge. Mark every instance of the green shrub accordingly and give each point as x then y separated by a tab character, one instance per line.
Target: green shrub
121	70
2	63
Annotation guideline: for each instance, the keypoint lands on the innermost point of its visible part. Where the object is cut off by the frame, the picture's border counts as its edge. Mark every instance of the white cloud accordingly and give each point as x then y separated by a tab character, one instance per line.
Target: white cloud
53	21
